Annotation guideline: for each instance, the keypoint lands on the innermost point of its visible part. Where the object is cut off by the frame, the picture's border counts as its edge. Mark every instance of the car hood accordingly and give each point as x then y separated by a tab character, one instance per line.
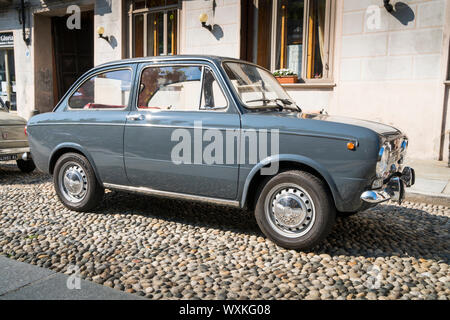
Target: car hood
380	128
9	119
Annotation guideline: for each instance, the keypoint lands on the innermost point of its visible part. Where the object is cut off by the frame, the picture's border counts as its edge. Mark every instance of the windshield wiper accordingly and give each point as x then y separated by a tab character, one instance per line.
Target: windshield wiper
285	102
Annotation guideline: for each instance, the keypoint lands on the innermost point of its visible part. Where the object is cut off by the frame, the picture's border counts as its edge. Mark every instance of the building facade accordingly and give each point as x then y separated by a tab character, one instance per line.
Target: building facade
359	58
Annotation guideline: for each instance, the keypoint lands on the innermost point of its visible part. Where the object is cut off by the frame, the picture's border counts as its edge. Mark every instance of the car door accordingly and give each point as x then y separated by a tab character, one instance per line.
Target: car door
177	107
94	119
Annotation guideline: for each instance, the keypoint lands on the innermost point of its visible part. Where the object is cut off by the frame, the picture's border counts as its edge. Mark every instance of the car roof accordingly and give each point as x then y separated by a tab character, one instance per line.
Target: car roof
174	58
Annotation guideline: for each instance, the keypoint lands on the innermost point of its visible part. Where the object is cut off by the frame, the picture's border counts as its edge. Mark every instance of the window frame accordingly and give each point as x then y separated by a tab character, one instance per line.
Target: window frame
203	66
89	77
132	13
329	41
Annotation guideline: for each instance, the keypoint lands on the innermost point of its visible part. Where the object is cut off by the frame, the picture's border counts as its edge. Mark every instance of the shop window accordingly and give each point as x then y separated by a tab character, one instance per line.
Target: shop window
299	33
154	27
106	91
7	77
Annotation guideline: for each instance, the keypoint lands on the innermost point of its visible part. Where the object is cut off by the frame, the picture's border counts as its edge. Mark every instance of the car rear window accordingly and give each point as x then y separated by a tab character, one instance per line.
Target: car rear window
108	90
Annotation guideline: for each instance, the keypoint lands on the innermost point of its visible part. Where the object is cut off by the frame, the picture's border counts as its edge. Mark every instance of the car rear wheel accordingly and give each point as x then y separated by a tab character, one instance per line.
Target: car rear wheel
295	210
26	166
76	184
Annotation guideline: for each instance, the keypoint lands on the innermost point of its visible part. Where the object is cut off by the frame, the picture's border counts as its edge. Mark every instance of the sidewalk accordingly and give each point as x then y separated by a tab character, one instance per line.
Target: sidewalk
22	281
432	182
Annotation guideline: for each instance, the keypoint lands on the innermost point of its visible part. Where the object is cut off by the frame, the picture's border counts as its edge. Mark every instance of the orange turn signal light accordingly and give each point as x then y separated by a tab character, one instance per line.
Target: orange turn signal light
351	146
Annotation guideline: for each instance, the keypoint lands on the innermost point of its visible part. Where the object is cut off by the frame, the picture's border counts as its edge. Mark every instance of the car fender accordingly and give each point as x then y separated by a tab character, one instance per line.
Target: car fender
301	160
80	149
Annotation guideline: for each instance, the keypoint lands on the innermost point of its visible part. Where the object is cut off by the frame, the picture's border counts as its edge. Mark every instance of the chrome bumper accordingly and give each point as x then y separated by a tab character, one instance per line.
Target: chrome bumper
393	190
15	153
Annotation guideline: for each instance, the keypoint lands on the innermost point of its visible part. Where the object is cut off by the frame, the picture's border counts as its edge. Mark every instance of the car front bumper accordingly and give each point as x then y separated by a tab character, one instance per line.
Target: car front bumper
394	188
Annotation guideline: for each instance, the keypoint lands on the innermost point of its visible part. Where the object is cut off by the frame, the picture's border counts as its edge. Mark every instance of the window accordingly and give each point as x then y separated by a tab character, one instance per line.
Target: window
300	33
108	90
255	86
448	68
178	88
170	88
154	27
212	94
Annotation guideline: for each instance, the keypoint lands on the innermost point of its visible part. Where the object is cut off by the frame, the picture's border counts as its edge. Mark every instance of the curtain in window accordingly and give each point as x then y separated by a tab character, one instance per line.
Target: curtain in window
321	20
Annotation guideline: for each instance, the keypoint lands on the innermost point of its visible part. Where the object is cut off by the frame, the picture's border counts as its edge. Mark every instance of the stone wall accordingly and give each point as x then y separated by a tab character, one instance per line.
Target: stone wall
389	68
224	38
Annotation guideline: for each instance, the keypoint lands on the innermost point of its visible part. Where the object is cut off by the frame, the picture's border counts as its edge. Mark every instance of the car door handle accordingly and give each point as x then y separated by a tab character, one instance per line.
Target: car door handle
135	117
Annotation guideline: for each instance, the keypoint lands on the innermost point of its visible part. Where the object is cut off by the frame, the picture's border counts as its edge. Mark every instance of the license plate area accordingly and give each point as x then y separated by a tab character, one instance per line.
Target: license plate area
8	157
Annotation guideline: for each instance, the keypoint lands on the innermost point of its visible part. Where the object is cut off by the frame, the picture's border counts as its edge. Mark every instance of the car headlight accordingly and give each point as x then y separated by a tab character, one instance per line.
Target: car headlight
383	161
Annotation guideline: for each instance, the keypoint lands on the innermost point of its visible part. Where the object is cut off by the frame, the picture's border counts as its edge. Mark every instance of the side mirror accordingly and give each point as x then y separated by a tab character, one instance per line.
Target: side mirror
8	105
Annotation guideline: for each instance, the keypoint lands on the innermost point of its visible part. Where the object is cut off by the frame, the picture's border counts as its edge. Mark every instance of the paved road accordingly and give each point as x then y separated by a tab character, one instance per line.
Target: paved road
23	281
165	249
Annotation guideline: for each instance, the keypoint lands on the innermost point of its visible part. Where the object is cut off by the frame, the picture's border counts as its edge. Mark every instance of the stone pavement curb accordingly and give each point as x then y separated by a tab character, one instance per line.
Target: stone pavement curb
22	281
430	198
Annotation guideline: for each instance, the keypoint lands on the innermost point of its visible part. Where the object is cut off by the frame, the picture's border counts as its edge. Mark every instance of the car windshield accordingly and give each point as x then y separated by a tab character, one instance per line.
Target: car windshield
257	88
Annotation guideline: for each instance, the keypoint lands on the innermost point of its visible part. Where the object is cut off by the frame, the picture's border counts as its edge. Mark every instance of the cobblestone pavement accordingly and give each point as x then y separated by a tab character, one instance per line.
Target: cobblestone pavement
165	249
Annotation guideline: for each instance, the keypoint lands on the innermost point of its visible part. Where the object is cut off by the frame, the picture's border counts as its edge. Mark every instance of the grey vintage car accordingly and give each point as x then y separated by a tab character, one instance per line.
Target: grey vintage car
13	140
218	130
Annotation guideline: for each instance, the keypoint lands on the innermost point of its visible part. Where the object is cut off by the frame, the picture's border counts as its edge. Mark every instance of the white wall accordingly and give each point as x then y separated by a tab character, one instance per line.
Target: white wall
225	37
108	14
392	73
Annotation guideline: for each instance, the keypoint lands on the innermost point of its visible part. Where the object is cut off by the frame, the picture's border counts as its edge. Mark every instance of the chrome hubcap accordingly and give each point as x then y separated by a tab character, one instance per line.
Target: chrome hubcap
73	182
290	210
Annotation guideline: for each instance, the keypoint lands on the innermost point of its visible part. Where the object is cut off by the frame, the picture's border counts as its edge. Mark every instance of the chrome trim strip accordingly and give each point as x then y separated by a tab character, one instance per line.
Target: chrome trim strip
76	123
173	195
318	135
178	127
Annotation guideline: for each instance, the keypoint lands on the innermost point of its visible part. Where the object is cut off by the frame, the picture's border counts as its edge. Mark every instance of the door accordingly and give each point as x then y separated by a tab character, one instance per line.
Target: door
178	107
73	50
95	117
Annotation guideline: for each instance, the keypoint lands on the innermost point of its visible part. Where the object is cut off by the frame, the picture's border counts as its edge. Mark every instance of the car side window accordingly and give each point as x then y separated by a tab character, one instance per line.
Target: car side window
170	88
213	97
108	90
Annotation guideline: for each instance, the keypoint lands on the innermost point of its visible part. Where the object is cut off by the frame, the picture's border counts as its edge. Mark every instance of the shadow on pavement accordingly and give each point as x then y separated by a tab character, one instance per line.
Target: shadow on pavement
386	230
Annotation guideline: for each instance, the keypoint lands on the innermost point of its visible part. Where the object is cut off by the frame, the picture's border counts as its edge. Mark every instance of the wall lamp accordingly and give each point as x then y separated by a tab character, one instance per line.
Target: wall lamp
388	6
203	18
100	32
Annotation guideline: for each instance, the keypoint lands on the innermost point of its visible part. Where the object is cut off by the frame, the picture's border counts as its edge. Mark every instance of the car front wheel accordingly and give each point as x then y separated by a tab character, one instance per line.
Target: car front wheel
295	210
76	184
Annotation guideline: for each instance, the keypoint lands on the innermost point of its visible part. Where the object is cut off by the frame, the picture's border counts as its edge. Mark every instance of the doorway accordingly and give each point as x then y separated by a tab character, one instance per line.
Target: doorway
256	26
73	51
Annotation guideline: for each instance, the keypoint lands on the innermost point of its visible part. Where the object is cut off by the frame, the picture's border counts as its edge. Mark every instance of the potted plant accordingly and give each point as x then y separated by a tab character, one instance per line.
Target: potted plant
285	76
